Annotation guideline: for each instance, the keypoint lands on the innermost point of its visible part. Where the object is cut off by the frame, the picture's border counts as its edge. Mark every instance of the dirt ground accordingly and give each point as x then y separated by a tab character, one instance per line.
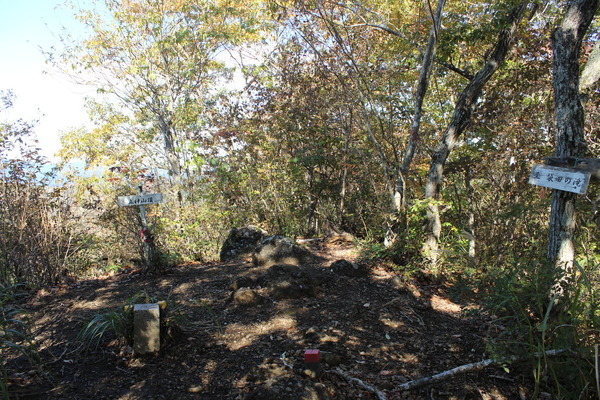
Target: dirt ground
371	331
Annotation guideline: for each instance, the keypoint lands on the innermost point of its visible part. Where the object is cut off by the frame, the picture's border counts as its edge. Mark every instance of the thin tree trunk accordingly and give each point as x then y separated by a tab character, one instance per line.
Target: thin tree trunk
591	72
423	85
344	180
471	214
399	196
460	120
169	144
570	142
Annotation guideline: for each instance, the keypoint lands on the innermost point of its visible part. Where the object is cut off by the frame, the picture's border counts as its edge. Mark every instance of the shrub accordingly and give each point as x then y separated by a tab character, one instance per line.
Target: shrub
536	323
15	338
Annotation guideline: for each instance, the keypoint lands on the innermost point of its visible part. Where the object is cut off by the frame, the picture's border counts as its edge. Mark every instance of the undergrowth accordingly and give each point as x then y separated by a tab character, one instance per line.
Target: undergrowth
529	319
15	336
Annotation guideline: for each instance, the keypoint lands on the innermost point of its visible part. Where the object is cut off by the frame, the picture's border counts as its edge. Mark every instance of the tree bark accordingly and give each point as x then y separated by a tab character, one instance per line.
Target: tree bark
166	130
477	366
570	142
460	120
399	197
470	231
591	72
423	85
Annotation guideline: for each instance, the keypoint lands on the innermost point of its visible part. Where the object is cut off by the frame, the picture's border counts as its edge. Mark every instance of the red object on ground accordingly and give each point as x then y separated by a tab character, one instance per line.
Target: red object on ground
312	356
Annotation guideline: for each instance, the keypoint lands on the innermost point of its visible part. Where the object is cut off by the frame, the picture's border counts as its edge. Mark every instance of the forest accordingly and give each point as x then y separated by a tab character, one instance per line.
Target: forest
411	127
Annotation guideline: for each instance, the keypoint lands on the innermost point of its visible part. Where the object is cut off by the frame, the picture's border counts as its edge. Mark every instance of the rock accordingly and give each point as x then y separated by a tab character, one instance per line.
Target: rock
347	268
195	389
291	289
285	271
242	282
146	328
343	237
241	242
246	297
284	281
281	250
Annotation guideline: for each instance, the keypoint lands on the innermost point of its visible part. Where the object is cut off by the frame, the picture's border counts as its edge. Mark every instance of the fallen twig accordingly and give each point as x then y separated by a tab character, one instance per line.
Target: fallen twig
287	364
389	303
380	394
472	367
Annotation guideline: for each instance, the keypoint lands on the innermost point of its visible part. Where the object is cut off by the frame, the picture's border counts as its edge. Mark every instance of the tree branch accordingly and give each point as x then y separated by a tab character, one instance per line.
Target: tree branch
380	394
459	71
430	380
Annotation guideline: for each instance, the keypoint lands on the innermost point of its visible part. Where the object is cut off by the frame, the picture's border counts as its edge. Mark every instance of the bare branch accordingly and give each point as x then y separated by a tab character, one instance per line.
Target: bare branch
381	27
459	71
429	380
380	394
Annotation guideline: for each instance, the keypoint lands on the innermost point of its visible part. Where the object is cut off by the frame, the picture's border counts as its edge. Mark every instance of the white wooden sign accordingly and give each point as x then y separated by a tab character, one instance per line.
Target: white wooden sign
567	179
140	200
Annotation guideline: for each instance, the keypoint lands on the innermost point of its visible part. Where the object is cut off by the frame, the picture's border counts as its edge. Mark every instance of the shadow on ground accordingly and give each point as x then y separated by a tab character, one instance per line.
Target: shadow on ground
371	328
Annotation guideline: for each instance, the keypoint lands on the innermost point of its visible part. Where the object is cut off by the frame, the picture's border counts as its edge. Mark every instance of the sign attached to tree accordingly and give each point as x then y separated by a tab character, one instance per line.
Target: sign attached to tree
140	200
567	179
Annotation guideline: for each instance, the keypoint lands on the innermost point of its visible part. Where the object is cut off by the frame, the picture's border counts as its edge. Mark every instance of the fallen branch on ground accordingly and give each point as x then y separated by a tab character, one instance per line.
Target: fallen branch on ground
430	380
287	364
380	394
472	367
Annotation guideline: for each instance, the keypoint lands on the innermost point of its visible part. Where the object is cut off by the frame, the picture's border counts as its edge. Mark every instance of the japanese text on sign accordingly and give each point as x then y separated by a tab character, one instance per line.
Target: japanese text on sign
569	180
140	200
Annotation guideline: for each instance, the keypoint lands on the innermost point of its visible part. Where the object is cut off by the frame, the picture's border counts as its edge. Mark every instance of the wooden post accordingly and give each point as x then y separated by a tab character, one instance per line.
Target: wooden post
147	238
149	253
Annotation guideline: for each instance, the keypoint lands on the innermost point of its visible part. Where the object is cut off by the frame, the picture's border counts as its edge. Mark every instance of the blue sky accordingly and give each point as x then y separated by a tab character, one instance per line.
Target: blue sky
41	92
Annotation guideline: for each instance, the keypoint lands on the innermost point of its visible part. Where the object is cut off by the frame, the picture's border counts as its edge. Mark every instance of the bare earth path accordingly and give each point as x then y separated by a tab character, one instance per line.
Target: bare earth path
371	328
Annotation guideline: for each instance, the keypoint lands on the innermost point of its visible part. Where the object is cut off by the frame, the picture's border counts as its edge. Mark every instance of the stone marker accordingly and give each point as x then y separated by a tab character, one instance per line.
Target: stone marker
146	328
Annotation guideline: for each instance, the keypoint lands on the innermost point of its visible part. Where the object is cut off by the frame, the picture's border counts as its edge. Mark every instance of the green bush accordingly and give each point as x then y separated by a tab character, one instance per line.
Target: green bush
534	322
192	231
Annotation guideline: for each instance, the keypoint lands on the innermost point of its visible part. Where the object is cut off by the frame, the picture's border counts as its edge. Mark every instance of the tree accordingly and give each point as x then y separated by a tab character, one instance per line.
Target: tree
160	59
460	121
426	67
570	141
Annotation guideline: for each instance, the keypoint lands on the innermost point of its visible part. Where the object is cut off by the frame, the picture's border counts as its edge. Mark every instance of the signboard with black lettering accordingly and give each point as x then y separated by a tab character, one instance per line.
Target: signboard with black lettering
140	200
567	179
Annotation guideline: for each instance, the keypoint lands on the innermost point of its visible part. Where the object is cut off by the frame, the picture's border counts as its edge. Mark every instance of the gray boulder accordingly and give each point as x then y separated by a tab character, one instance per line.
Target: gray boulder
281	250
241	242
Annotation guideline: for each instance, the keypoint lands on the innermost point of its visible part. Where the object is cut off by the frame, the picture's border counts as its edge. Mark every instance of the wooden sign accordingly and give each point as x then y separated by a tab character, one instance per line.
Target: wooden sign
140	200
567	179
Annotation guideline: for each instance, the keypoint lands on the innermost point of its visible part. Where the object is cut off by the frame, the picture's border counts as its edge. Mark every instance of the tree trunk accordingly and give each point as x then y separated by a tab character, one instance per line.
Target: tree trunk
423	85
166	130
591	72
470	231
399	197
460	120
566	45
